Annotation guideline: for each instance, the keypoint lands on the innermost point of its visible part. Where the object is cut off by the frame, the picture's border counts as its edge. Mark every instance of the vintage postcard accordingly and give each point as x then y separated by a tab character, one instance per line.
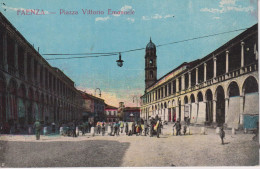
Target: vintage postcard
120	83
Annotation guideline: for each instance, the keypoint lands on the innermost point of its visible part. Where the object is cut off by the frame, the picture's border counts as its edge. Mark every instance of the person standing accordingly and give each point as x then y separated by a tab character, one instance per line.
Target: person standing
37	126
222	134
145	127
126	128
103	129
53	127
178	127
74	125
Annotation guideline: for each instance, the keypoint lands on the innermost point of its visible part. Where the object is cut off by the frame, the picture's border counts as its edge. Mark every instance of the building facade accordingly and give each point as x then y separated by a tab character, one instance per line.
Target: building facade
94	108
30	88
111	113
220	88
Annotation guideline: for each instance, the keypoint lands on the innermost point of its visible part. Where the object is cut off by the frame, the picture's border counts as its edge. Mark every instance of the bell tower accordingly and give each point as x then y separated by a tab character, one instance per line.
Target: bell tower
150	64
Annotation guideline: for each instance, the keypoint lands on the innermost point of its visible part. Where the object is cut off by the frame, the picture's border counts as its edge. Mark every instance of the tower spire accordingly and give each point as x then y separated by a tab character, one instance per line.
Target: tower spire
150	39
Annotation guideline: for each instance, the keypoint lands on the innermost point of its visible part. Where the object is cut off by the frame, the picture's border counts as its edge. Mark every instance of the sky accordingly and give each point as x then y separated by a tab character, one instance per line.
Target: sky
56	32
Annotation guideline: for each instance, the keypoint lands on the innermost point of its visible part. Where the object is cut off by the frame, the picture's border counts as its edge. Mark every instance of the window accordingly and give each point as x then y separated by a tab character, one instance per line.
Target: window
151	62
151	74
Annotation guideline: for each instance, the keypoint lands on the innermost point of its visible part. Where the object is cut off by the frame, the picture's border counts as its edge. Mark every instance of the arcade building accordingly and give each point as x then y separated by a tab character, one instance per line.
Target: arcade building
30	88
218	89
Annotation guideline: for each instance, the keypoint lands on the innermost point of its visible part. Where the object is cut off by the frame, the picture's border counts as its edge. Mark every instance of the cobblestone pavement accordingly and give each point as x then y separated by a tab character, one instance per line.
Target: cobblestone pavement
130	151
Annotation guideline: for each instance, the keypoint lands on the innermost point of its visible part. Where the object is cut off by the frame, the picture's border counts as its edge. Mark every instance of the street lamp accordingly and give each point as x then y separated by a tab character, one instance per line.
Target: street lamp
99	92
120	61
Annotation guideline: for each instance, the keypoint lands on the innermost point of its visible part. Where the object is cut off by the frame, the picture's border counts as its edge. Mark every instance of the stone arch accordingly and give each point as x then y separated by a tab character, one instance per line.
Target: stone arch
186	100
199	96
209	106
233	89
173	103
250	85
2	83
250	93
12	86
169	103
220	105
165	105
192	98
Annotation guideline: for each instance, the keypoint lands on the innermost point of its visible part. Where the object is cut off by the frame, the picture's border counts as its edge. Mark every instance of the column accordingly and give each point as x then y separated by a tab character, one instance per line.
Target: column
226	109
255	52
182	112
242	54
177	85
241	121
177	112
167	87
227	61
16	59
43	77
214	110
25	65
205	72
38	73
32	69
166	116
197	75
189	79
182	82
5	52
215	66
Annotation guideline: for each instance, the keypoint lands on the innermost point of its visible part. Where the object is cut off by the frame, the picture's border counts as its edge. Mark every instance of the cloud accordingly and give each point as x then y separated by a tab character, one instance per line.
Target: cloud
156	16
125	9
145	18
228	5
102	18
216	17
132	20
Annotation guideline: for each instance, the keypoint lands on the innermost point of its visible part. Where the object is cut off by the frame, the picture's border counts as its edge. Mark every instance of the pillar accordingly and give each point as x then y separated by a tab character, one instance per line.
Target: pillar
25	65
5	52
32	69
177	85
189	79
242	54
177	112
241	121
205	72
182	112
182	82
197	75
255	52
227	61
16	59
226	109
214	110
215	66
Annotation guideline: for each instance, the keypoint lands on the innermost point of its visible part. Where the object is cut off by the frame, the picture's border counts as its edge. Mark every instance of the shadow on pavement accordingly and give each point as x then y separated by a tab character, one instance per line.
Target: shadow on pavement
90	153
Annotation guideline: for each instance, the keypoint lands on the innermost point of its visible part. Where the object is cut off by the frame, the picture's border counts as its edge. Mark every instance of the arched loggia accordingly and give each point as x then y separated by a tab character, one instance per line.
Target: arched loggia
233	105
251	103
